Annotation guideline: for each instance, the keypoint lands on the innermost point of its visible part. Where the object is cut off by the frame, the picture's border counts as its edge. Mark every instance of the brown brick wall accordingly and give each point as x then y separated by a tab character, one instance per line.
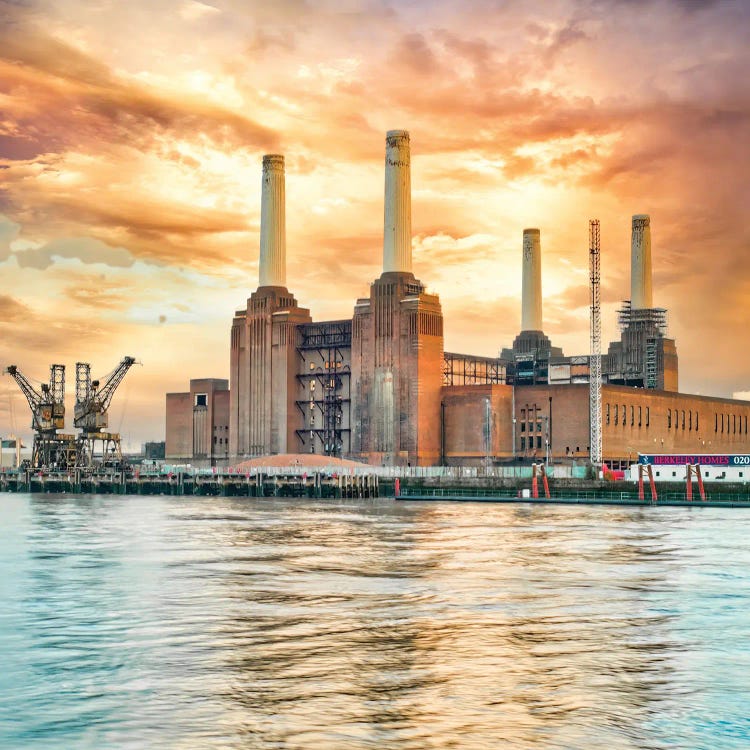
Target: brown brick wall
397	358
466	420
179	429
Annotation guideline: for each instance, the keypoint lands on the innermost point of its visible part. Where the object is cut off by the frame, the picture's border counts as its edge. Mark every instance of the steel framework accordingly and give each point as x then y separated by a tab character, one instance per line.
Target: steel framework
595	360
91	414
325	381
47	417
465	369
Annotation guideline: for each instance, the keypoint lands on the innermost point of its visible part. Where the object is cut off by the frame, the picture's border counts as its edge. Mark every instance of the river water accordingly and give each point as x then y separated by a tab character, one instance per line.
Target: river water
155	622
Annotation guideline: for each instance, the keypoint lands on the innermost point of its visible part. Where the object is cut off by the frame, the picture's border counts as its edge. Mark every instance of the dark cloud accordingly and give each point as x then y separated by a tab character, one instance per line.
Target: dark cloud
12	311
9	231
71	97
99	294
85	249
414	53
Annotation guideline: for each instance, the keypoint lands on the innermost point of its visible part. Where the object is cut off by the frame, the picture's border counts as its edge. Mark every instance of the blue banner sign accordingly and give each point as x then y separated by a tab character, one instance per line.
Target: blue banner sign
671	459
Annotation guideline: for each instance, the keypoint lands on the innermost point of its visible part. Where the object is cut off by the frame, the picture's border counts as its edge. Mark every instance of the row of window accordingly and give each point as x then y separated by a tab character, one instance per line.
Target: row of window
735	425
530	443
613	414
685	419
673	419
531	420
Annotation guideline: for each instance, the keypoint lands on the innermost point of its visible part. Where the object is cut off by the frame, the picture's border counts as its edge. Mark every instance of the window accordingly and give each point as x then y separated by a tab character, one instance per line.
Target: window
683	419
632	415
523	427
624	415
669	419
201	399
539	441
716	422
640	416
734	424
690	421
523	444
616	413
696	421
607	413
648	416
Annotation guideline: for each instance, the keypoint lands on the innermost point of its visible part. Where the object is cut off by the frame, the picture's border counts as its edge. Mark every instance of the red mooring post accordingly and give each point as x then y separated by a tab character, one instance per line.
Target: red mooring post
534	482
544	480
701	488
689	479
397	487
641	469
651	482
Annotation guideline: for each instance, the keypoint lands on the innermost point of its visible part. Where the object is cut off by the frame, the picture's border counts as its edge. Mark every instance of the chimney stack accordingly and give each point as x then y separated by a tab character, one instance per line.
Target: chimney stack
397	228
272	271
640	264
531	292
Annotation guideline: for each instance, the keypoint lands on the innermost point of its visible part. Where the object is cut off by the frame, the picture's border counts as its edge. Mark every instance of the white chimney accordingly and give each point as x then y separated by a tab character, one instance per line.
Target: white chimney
272	271
531	291
641	297
397	227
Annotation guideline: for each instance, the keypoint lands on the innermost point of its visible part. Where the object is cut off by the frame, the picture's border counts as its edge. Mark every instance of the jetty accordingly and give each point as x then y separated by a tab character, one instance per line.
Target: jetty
192	482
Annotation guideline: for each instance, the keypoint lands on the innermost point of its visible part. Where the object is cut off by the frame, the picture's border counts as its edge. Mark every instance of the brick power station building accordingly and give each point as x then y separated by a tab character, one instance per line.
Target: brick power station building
380	388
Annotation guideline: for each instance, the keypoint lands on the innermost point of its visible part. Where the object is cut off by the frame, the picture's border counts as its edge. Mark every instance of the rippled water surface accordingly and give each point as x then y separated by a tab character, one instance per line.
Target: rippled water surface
240	623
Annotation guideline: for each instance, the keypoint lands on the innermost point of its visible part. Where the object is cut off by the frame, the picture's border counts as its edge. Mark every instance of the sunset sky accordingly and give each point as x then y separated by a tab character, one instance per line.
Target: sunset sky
131	139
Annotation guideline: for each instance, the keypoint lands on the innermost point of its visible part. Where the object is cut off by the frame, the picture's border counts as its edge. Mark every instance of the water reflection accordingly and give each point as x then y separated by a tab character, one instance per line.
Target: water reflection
229	623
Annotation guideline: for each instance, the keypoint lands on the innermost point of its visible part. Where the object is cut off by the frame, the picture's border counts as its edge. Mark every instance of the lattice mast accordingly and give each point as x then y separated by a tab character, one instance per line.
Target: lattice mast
595	360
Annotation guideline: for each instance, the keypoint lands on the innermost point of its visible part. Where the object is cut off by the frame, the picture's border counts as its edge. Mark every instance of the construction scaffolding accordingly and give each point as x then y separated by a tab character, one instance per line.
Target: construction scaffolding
650	319
464	369
325	384
637	359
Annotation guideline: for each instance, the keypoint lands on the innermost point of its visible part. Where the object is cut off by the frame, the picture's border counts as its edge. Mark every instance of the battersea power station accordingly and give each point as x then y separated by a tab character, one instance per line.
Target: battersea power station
379	387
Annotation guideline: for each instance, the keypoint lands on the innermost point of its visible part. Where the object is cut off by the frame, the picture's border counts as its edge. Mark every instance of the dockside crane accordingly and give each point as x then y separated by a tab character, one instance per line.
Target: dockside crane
91	414
50	449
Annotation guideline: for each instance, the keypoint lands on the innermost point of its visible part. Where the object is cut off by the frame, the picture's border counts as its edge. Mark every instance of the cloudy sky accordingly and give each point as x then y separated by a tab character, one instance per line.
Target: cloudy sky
131	138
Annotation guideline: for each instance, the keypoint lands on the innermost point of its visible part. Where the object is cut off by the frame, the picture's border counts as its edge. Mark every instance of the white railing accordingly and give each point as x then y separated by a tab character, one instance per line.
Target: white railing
402	472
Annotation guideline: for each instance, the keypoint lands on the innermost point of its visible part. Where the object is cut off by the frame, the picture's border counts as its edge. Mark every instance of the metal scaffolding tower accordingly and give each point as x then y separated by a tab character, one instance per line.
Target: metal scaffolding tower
325	384
595	361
